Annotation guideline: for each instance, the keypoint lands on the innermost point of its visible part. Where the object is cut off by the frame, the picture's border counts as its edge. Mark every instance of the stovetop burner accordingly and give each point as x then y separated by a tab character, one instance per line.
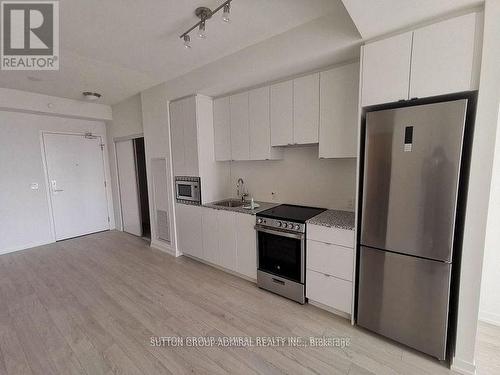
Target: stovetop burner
298	214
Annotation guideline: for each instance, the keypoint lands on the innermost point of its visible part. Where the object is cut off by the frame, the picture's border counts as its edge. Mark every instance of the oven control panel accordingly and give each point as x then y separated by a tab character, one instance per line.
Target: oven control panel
289	226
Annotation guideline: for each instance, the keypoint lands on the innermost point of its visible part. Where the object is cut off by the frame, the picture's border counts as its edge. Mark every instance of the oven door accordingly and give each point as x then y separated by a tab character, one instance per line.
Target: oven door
281	253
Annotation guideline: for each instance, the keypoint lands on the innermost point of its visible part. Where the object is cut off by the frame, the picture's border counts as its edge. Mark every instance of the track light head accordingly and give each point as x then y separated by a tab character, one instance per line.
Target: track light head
187	41
225	14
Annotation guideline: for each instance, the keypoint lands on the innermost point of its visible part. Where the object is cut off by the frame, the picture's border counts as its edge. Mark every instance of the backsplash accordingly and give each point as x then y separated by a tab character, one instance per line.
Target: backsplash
300	178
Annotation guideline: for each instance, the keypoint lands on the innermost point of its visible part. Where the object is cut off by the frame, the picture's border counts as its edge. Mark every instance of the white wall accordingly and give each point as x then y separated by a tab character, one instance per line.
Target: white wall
300	178
24	213
127	121
479	188
489	308
157	144
328	40
23	101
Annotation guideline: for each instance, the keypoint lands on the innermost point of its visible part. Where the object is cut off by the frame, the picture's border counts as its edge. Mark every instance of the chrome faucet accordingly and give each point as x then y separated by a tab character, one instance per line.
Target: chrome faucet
240	189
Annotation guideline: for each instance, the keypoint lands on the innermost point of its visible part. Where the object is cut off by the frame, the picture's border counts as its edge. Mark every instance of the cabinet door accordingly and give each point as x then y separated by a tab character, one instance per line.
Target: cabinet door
442	57
247	245
282	114
240	140
177	136
189	229
210	231
386	70
226	221
329	291
260	125
222	129
338	124
190	137
306	109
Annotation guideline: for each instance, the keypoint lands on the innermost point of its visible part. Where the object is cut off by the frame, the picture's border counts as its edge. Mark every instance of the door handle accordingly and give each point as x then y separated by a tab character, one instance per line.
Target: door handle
53	183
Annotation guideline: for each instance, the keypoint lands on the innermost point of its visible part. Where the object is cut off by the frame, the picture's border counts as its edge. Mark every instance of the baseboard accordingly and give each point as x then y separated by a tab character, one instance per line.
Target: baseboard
490	318
234	273
162	247
330	309
463	367
24	247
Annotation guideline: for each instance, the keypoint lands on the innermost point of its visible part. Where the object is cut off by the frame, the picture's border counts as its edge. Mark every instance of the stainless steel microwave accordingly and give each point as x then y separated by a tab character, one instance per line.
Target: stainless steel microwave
188	189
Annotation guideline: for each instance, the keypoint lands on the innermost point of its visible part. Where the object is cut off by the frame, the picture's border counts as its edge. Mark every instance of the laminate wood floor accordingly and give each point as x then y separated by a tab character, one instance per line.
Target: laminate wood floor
90	305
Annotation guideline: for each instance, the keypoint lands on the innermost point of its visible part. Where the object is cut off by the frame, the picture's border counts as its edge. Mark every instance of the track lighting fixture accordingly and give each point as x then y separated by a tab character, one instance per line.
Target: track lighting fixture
204	14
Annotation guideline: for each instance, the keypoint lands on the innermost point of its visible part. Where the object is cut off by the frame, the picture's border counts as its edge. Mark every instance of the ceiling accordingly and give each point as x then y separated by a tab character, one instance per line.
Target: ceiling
377	17
120	47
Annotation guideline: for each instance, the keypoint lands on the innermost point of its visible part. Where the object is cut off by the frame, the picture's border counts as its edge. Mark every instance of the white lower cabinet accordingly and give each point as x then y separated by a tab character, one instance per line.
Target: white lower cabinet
330	259
329	291
228	239
189	234
247	245
330	267
226	221
210	230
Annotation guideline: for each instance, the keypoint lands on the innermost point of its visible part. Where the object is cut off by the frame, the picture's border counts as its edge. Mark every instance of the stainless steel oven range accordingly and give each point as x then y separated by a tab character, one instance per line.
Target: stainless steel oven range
281	245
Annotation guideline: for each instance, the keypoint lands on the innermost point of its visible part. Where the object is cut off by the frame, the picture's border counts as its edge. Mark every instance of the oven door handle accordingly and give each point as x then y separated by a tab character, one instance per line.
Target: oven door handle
298	236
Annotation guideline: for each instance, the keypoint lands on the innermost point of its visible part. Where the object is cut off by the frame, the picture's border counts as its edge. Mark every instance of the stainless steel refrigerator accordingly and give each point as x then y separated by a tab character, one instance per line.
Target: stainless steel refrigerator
412	162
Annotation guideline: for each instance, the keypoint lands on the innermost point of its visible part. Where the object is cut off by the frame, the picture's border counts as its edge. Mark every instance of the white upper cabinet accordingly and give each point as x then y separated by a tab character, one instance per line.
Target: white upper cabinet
190	138
240	137
177	135
222	129
438	59
339	92
306	109
183	129
386	70
443	57
260	126
282	114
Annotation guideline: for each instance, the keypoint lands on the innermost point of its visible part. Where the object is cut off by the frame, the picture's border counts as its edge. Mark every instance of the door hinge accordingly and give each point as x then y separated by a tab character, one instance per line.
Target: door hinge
105	183
102	146
108	219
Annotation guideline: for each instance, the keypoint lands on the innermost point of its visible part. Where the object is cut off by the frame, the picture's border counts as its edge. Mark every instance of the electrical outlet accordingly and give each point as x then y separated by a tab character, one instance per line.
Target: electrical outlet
34	186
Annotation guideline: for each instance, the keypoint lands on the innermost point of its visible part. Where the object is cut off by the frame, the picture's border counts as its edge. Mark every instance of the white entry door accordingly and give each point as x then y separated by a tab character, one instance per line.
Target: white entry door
129	192
75	168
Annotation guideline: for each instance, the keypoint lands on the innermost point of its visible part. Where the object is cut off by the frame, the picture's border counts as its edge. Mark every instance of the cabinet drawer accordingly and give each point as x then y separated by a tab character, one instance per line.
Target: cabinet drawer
329	291
336	236
334	260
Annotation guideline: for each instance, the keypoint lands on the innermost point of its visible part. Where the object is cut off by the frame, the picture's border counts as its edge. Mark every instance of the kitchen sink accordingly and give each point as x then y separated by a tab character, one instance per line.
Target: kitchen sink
230	203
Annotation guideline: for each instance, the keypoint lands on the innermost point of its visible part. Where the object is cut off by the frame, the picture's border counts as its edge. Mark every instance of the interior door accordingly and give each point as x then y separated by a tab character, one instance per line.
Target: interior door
75	168
129	193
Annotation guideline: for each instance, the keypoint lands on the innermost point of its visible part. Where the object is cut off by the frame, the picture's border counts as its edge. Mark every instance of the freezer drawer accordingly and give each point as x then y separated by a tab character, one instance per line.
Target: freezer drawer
405	298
